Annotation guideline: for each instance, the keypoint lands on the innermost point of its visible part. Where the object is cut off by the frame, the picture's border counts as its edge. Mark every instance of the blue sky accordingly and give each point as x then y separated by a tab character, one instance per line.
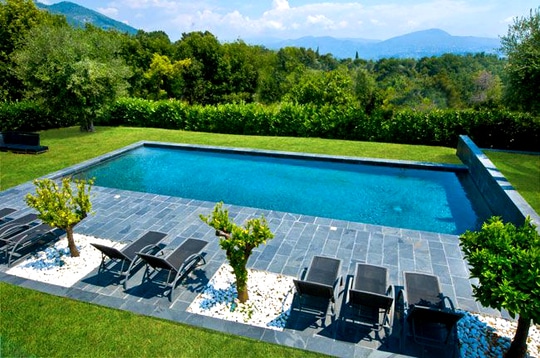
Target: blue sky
289	19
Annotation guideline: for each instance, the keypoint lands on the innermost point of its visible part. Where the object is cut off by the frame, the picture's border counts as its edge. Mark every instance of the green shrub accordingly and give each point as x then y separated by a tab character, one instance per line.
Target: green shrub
505	260
487	128
28	116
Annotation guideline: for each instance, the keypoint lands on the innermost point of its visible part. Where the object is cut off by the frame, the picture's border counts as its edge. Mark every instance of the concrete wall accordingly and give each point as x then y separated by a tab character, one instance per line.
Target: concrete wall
499	194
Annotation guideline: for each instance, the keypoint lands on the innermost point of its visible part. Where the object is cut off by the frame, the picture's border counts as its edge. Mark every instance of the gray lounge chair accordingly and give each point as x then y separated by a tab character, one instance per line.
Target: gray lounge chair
34	235
429	314
5	212
178	263
17	225
319	282
147	243
370	297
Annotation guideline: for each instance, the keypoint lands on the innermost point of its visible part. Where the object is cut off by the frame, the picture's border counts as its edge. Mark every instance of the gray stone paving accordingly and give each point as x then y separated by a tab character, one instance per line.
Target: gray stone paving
124	215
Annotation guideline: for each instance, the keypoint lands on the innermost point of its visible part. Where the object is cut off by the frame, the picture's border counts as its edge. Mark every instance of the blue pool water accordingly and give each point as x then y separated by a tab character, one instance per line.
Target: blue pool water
407	198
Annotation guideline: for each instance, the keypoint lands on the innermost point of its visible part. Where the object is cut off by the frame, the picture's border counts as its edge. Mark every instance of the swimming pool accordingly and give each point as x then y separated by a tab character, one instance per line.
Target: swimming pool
339	188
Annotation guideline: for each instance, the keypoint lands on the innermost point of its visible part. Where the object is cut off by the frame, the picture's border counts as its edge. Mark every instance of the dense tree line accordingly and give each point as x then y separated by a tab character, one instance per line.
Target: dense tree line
78	72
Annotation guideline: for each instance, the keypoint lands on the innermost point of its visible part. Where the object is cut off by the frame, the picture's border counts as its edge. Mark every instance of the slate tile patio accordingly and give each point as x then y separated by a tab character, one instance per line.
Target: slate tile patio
122	215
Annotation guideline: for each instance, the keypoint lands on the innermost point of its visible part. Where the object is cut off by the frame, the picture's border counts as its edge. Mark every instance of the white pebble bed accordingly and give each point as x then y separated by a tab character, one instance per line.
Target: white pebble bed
485	336
270	297
55	265
269	304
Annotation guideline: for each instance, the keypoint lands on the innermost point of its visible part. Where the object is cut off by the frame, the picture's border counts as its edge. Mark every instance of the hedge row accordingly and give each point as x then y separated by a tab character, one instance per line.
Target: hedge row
487	128
28	116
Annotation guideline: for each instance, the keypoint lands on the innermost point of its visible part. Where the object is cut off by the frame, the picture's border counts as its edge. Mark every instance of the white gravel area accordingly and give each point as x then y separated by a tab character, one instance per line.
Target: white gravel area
55	265
487	336
270	299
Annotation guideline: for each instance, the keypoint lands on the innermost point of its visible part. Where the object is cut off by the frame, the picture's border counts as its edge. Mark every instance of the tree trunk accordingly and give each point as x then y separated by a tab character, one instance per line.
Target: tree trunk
242	283
242	293
71	243
87	126
518	348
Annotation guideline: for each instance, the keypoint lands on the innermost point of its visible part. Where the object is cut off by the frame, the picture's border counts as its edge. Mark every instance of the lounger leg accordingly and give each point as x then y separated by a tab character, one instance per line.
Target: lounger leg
191	262
128	272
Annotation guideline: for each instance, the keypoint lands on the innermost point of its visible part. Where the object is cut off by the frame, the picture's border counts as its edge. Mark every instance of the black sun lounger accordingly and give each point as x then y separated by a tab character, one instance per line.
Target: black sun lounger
128	255
34	235
430	319
17	225
370	295
319	282
6	212
178	263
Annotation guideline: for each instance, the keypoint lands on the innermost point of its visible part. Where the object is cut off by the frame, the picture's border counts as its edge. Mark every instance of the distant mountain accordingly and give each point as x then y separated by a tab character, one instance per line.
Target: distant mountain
419	44
78	16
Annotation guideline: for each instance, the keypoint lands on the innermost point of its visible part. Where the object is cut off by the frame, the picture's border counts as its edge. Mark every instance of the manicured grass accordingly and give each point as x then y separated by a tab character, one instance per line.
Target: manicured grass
522	171
69	146
38	324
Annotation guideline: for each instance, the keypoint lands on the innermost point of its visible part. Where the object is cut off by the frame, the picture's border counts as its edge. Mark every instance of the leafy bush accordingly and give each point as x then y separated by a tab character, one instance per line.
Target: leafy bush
27	116
506	261
487	128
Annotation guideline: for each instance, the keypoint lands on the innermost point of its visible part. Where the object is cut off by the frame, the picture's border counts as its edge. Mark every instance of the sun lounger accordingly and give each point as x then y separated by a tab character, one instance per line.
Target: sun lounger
429	314
177	263
21	142
319	282
147	243
17	225
6	212
370	296
32	236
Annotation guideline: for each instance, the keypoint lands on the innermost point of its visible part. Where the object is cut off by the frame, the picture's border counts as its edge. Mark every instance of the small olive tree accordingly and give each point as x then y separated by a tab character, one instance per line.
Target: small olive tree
506	261
238	243
60	207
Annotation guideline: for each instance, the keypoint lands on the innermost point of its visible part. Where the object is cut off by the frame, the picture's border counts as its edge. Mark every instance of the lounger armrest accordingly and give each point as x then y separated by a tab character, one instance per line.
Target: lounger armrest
9	230
148	248
450	303
303	273
190	262
390	316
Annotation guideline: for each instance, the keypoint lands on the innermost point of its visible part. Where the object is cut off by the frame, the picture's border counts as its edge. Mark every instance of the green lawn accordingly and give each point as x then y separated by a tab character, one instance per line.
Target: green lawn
37	324
522	171
69	146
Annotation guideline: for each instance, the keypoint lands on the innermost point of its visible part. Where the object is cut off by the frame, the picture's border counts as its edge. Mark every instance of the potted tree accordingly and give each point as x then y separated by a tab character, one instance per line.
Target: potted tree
506	261
238	243
60	207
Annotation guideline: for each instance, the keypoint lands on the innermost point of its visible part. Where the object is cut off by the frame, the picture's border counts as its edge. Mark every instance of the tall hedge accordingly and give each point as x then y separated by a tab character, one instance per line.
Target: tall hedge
27	116
488	128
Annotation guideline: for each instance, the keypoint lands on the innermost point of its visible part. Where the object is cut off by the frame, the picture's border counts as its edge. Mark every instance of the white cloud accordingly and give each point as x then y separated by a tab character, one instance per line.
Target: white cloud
318	19
108	11
280	5
147	4
369	19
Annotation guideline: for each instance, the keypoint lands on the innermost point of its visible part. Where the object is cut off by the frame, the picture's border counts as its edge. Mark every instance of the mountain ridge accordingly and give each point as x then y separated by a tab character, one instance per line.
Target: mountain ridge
79	16
425	43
